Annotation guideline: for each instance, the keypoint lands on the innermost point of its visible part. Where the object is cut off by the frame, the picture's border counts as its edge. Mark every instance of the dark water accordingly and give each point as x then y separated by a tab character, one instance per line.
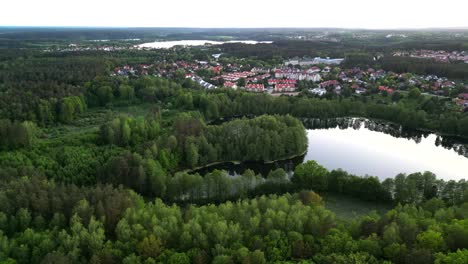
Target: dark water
363	147
257	167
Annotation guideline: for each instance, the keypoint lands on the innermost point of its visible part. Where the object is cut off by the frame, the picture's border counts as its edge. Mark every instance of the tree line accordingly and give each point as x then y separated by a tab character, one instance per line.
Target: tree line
408	64
45	222
146	176
263	138
228	104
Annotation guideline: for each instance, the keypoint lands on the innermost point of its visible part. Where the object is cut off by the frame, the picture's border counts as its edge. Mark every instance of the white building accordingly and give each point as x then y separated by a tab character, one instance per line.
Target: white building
203	83
314	61
296	74
318	91
314	77
318	60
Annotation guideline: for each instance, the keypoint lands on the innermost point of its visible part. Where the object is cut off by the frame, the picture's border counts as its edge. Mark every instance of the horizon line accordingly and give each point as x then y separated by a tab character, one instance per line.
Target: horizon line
183	27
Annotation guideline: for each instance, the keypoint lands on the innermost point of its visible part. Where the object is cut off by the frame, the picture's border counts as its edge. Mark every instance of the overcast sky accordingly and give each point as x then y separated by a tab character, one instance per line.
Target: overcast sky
236	13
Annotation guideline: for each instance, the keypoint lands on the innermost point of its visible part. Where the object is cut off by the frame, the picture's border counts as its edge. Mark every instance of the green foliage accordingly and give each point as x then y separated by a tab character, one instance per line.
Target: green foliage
414	93
311	175
124	131
365	188
411	114
69	108
458	257
431	240
86	224
264	138
16	134
144	175
150	247
126	92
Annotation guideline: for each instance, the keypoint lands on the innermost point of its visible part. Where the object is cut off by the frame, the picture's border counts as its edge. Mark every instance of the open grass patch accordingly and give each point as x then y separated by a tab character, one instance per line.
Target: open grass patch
347	207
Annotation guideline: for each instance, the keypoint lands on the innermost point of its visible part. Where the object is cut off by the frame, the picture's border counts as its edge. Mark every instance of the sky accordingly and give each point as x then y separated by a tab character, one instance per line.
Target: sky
370	14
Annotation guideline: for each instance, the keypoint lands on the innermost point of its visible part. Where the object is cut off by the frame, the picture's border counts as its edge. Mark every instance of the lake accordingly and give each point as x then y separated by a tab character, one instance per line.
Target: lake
170	44
363	147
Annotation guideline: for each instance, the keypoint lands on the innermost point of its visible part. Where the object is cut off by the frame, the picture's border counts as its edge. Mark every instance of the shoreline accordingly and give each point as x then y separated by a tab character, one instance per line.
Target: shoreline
237	162
422	130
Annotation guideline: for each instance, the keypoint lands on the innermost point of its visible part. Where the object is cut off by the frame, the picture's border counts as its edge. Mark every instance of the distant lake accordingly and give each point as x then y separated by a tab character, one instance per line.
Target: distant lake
363	147
170	44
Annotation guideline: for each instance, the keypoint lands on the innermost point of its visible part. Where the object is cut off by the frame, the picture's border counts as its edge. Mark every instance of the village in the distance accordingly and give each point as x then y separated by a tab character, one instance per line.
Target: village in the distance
315	76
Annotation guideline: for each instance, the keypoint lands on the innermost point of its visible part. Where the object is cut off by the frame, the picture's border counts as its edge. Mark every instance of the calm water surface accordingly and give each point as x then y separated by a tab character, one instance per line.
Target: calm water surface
366	152
363	147
170	44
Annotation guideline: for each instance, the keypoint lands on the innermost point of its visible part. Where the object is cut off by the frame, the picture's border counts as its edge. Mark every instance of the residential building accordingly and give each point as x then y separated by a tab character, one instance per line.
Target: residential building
386	89
332	83
318	91
297	74
228	84
314	61
285	87
254	87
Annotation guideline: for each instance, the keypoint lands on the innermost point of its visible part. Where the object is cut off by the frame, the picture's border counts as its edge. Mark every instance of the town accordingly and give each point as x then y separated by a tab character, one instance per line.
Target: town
439	55
317	77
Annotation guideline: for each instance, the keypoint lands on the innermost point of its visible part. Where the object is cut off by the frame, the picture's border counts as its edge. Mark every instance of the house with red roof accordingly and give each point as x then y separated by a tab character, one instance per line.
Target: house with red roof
384	88
448	84
255	88
217	69
285	87
288	81
314	69
326	84
273	81
230	85
258	78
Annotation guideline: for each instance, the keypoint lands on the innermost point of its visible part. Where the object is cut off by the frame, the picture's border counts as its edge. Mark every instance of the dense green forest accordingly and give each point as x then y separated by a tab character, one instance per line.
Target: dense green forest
417	113
45	222
101	168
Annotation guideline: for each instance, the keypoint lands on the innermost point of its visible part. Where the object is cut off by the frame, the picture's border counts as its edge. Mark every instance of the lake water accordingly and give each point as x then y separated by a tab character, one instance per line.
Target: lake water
363	147
366	152
170	44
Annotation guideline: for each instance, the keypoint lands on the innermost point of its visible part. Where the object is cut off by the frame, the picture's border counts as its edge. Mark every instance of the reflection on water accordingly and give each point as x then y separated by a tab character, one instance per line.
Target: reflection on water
170	44
459	145
365	147
258	167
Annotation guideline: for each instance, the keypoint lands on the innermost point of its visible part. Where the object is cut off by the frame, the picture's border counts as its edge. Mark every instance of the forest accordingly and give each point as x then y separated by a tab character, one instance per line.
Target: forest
45	222
100	168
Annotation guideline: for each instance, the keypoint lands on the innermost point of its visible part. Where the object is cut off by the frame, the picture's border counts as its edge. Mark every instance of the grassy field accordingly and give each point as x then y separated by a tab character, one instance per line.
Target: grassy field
86	126
346	207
